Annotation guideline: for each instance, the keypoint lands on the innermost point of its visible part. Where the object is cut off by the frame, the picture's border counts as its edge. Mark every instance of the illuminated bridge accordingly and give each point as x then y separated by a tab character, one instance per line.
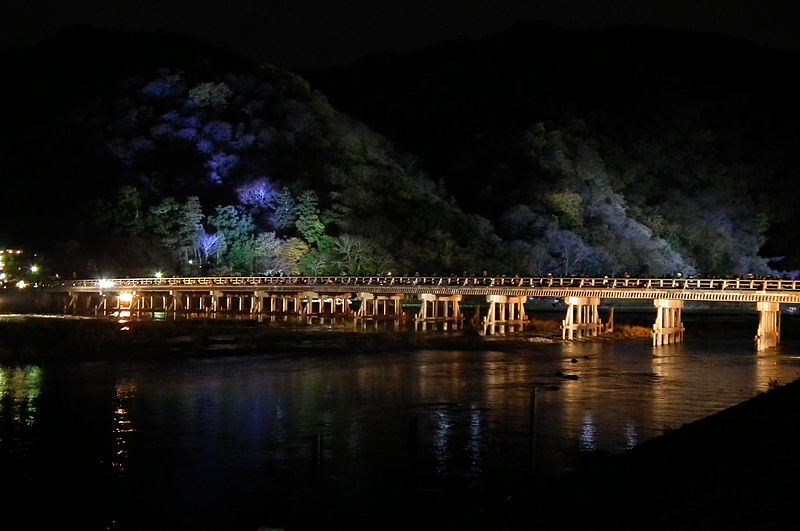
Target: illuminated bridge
439	298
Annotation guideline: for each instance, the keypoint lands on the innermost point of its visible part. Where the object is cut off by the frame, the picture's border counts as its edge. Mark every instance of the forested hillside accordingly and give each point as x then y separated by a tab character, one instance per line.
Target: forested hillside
211	171
631	149
534	151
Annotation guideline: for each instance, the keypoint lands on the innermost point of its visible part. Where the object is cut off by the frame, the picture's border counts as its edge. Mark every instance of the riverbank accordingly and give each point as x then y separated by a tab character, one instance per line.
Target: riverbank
736	469
34	338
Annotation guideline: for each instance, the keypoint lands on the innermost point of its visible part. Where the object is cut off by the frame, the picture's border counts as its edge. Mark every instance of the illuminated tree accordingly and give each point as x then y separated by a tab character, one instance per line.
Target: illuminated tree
189	229
236	227
210	94
259	193
357	256
308	217
571	252
292	252
210	246
285	214
266	251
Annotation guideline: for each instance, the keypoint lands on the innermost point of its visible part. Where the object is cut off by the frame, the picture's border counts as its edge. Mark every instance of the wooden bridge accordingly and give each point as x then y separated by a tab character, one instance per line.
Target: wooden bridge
439	298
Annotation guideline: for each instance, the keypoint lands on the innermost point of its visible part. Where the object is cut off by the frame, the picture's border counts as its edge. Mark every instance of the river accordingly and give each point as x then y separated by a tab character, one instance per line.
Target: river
220	441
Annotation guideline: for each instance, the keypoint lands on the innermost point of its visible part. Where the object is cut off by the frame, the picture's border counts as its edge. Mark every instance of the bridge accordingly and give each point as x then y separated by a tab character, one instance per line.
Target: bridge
439	298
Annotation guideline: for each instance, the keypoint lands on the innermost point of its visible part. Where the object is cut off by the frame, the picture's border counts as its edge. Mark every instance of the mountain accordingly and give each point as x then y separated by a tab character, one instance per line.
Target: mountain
677	110
536	150
158	153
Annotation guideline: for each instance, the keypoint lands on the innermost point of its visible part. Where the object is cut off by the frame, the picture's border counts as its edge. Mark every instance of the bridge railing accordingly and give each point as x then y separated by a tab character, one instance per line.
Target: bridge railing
451	281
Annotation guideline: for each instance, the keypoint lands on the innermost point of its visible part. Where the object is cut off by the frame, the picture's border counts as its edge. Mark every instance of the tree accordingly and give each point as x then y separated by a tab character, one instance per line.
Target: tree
189	229
285	214
210	246
308	217
210	94
570	250
266	251
236	227
292	252
259	193
128	216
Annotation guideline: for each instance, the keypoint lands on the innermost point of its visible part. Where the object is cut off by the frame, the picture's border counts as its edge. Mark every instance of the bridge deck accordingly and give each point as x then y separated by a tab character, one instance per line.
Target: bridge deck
711	290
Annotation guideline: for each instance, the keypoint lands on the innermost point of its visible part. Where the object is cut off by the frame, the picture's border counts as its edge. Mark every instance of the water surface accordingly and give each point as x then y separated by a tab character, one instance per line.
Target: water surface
216	441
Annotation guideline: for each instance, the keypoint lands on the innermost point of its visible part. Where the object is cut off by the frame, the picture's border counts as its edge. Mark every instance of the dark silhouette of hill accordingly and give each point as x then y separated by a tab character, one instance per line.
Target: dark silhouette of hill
463	105
643	150
153	151
51	160
441	101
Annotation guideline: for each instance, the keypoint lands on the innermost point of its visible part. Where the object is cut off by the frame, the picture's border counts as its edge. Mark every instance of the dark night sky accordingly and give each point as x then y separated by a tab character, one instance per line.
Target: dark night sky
317	32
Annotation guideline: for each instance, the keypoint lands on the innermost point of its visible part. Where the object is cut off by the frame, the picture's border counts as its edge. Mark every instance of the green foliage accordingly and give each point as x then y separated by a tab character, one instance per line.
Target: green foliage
353	255
127	211
210	94
292	252
308	221
236	228
583	204
568	207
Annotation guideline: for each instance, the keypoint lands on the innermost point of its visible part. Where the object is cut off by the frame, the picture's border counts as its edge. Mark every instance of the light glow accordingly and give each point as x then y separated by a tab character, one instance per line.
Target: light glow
105	283
126	297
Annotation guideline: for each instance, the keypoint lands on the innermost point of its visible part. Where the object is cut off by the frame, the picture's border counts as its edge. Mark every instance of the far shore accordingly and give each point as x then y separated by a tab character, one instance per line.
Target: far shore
32	337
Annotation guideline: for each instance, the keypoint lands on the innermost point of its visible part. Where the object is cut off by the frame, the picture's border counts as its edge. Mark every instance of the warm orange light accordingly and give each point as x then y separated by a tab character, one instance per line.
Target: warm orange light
126	297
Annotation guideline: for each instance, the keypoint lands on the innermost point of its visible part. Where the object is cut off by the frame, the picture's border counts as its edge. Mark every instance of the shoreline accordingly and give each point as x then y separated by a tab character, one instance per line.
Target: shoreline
731	470
43	337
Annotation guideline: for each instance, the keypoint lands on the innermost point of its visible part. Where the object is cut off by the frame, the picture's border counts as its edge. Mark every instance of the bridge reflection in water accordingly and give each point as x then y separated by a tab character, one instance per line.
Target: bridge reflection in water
435	300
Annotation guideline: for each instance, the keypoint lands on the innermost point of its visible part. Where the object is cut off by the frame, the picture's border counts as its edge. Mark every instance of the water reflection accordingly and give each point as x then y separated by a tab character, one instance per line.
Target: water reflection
20	388
210	433
123	425
768	370
588	434
631	436
442	426
475	438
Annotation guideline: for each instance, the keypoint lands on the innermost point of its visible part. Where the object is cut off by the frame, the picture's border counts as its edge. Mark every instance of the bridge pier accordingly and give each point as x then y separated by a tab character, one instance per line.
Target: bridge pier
504	310
668	327
583	318
439	308
769	325
374	306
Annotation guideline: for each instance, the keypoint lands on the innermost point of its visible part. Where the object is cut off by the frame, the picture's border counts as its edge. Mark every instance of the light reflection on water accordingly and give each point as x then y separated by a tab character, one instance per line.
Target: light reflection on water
209	433
19	389
125	391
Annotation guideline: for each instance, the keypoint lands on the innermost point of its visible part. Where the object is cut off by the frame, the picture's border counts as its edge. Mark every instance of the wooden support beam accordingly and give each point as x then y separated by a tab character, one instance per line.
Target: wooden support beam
668	328
769	325
582	318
